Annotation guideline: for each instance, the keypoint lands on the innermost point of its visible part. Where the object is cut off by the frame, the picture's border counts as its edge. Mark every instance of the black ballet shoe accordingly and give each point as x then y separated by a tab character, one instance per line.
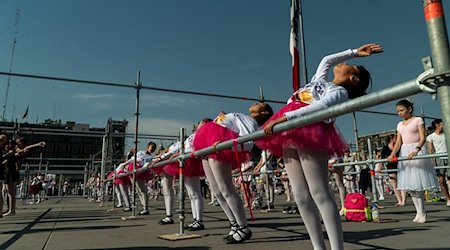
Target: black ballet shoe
197	226
167	220
233	228
240	234
144	212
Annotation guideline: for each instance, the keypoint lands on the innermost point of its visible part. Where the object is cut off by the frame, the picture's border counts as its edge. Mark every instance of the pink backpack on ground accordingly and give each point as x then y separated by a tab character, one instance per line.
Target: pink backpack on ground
356	208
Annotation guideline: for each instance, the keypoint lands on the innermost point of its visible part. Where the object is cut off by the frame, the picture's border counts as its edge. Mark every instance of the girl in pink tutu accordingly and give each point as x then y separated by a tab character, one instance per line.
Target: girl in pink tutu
218	165
141	178
121	185
166	182
305	150
192	170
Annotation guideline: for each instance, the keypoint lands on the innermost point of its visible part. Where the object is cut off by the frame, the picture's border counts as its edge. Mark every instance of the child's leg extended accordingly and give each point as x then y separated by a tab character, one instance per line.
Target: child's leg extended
307	170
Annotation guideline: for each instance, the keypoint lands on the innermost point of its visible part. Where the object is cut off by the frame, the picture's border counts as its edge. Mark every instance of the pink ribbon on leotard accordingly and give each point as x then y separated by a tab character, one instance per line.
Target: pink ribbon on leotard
246	187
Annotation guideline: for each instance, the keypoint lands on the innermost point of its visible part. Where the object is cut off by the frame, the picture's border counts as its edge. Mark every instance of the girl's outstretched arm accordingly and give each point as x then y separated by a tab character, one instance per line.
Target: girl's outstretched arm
336	58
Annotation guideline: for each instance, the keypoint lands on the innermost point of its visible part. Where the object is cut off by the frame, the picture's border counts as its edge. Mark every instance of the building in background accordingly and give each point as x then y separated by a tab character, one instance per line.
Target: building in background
72	150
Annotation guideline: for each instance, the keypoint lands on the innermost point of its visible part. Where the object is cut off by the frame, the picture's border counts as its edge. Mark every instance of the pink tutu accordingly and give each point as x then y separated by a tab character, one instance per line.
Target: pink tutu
320	135
211	133
158	170
192	167
145	175
122	180
110	175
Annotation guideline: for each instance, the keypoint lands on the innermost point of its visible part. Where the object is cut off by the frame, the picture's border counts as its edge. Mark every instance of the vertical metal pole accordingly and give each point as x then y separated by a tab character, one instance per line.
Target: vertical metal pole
355	128
261	94
138	86
302	36
40	162
267	181
422	112
85	178
440	53
113	193
61	182
90	191
372	172
26	183
102	172
181	183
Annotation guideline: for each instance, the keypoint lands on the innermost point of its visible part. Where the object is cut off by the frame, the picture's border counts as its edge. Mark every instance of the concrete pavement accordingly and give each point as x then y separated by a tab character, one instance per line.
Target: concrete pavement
75	223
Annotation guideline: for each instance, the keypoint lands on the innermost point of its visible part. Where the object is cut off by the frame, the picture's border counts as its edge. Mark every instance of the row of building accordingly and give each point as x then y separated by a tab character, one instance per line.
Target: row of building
72	149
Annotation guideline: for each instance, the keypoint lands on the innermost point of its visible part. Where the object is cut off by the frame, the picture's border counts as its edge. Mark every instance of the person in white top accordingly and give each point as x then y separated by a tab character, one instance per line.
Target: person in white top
338	174
306	149
218	166
262	168
121	185
192	171
142	157
436	144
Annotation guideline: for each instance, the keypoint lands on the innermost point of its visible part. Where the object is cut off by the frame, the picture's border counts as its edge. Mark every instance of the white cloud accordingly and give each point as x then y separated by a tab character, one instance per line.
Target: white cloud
95	96
155	100
146	100
160	126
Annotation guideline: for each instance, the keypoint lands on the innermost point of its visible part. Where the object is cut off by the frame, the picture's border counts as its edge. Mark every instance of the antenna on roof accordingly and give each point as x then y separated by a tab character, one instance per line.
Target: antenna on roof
8	83
261	94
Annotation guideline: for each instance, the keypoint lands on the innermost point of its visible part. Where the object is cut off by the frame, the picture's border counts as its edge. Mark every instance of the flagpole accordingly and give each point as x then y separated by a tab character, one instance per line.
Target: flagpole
293	40
302	36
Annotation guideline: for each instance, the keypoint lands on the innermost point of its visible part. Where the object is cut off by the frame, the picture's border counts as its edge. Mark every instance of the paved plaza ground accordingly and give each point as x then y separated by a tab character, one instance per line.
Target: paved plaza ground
75	223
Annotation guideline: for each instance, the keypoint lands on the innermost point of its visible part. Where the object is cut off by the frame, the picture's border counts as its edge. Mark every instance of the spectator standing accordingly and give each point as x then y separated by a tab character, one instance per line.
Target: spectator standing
436	144
385	152
416	175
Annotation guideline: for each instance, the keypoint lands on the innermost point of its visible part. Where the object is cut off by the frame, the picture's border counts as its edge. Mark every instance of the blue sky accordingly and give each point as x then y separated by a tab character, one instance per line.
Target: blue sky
227	47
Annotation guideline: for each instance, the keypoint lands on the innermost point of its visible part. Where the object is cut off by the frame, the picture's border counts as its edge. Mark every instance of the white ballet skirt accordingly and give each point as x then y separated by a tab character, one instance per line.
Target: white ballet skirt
415	175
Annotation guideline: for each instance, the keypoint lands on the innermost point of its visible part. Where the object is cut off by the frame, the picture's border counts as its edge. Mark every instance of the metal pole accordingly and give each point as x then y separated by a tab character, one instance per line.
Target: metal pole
113	193
302	36
85	178
355	127
261	94
389	94
181	183
267	181
102	172
401	90
26	183
372	172
40	161
138	86
61	180
440	53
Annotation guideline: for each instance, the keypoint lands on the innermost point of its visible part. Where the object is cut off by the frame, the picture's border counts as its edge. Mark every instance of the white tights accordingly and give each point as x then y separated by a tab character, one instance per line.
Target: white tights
419	201
141	188
379	182
308	175
192	184
124	193
118	195
220	180
167	190
338	174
